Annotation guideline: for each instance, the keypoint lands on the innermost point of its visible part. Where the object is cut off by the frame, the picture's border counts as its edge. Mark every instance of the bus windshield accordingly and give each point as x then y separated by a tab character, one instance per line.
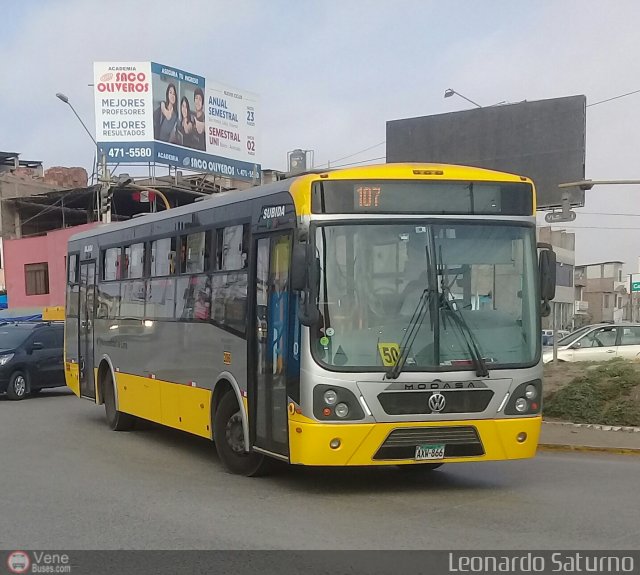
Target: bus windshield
373	277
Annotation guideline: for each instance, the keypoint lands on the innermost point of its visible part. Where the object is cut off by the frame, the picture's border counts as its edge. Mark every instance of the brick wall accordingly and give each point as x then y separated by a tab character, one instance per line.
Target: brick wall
66	177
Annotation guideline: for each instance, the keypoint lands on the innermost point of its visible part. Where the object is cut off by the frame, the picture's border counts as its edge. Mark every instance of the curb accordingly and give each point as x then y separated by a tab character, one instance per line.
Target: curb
598	426
588	449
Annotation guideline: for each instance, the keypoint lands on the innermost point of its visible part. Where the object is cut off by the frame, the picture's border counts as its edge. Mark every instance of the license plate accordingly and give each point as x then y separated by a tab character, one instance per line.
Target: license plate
424	452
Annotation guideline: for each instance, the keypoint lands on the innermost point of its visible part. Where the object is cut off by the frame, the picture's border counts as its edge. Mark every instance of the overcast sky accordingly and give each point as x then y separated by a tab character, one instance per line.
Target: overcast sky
331	73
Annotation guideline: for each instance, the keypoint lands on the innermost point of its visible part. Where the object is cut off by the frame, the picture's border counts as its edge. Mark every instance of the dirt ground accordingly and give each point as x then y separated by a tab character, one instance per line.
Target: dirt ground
606	393
557	376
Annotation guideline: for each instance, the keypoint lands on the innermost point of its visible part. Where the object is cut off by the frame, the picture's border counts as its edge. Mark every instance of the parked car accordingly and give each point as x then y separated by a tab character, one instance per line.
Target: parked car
31	357
599	342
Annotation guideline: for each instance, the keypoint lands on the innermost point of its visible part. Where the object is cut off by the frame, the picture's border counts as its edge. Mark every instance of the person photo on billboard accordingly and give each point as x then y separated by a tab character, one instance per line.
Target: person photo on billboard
186	127
165	117
198	104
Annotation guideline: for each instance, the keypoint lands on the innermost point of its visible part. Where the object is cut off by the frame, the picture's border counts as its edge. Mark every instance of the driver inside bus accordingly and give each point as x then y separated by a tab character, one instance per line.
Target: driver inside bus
415	276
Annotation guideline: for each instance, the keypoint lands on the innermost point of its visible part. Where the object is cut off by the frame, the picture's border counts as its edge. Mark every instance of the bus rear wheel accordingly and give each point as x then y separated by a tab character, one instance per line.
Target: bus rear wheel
117	420
228	435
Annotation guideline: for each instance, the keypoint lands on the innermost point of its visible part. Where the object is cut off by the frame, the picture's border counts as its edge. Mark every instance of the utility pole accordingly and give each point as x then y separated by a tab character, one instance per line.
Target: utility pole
104	177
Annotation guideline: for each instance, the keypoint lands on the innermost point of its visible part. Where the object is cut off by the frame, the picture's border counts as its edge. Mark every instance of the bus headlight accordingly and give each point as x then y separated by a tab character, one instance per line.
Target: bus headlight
330	397
331	403
521	404
526	399
342	410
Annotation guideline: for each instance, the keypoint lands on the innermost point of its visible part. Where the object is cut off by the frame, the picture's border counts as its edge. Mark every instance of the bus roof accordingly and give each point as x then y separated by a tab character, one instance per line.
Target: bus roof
299	188
402	170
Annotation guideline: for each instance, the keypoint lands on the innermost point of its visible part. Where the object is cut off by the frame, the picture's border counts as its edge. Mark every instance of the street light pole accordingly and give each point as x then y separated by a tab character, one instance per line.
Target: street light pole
450	92
104	176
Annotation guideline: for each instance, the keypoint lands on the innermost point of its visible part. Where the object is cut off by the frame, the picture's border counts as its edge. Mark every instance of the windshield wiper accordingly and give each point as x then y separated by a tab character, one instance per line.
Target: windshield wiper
447	303
415	323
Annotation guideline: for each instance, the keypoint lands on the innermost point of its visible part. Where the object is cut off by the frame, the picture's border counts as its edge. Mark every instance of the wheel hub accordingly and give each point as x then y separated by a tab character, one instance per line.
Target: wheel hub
235	434
20	386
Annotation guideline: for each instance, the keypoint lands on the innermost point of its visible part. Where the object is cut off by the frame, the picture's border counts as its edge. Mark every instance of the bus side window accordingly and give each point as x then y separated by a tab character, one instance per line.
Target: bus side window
193	249
232	248
110	264
134	256
163	257
72	262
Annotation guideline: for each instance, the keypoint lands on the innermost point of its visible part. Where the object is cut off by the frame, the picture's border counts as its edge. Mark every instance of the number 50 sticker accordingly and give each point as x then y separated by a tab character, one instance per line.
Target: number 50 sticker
389	353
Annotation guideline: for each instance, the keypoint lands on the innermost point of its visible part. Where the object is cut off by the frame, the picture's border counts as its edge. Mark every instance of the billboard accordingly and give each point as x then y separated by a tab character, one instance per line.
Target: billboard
152	113
544	140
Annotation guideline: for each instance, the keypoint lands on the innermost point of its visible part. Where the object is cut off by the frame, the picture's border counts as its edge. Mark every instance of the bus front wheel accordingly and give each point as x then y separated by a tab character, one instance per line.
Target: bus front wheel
228	435
117	420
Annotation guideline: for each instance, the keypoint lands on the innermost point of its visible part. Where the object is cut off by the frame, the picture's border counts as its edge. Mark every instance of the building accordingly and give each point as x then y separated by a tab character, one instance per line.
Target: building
601	293
36	268
37	219
564	245
26	203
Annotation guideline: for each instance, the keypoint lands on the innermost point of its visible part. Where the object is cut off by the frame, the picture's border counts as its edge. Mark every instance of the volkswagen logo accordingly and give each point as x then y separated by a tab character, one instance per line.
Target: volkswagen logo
437	402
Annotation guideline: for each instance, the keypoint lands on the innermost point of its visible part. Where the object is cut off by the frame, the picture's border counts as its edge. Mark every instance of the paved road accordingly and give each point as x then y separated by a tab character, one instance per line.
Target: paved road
67	482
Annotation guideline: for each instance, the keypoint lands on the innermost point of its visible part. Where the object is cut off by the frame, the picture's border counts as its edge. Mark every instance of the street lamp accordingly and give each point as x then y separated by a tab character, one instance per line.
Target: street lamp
104	176
64	99
450	92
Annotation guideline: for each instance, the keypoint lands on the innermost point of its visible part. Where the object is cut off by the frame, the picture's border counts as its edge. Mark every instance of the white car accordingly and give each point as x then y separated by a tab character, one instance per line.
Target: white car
600	342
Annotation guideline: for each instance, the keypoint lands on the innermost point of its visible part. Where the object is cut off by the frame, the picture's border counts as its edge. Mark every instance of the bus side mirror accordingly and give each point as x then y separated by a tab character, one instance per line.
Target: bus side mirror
547	267
547	275
305	279
299	267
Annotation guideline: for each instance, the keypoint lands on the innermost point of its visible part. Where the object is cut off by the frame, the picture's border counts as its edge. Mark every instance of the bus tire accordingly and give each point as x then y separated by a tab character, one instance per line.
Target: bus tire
420	467
228	435
18	386
117	420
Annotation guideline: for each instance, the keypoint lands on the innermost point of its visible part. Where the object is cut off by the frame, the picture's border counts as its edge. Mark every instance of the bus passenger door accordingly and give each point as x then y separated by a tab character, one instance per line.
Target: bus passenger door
269	360
85	329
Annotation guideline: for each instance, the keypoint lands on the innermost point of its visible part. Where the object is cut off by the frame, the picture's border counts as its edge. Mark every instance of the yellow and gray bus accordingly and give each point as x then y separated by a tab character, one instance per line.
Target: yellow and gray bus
379	315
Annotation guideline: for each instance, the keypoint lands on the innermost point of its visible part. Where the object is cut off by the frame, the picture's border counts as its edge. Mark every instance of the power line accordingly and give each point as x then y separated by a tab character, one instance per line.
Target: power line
614	98
362	162
355	153
43	211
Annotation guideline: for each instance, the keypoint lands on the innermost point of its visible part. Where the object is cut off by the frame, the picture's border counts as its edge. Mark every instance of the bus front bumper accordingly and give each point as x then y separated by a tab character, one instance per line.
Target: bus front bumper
395	443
